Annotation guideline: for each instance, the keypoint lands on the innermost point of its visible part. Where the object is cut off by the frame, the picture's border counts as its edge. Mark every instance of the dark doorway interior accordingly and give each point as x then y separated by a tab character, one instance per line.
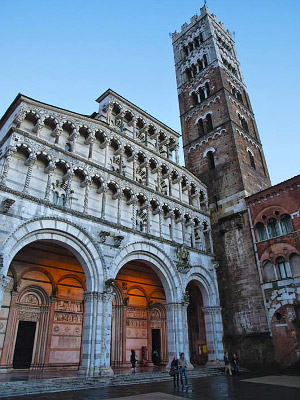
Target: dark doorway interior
24	345
156	346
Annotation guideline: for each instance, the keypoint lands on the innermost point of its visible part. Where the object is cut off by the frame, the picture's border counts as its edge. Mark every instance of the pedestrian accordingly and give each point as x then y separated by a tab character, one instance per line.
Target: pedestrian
227	364
183	371
235	364
175	371
133	360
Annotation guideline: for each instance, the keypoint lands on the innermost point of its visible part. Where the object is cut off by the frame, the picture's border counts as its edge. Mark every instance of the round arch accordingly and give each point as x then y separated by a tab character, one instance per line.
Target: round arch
66	234
157	260
206	285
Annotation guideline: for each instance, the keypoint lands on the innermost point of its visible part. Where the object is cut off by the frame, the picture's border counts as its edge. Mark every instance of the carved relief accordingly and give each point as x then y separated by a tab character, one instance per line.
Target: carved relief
28	316
67	317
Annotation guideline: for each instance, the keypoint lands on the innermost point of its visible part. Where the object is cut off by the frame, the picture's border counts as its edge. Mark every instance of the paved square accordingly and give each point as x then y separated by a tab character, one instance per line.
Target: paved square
282	380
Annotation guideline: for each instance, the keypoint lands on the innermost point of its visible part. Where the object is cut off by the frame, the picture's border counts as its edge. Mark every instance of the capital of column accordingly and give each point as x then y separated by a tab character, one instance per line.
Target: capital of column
4	281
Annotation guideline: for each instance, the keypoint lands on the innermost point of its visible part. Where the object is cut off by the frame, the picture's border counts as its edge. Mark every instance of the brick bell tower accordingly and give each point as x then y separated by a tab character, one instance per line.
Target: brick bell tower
222	147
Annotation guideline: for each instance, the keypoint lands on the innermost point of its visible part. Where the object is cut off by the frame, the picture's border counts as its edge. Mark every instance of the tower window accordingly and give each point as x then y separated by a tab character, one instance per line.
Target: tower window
196	42
211	160
200	128
195	98
205	60
261	231
191	47
201	38
188	73
251	159
283	267
202	94
209	125
286	224
185	51
207	89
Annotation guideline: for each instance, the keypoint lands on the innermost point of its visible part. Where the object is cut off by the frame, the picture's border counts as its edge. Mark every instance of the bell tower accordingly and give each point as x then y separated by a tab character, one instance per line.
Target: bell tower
222	147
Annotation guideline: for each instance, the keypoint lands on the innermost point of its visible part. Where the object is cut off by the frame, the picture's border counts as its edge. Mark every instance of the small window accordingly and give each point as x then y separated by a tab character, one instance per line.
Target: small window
283	267
211	160
55	197
269	271
200	127
273	228
251	159
62	200
286	224
262	232
209	125
68	147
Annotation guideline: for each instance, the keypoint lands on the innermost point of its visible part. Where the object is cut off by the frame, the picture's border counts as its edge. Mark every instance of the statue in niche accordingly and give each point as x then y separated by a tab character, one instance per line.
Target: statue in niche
183	265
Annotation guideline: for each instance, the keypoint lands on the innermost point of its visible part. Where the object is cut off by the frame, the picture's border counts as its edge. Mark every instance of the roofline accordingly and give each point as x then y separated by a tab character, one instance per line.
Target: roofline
10	109
110	91
271	187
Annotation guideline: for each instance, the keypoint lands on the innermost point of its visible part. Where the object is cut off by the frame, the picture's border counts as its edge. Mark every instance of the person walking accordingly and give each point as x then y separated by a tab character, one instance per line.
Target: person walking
227	364
175	371
235	364
183	371
133	361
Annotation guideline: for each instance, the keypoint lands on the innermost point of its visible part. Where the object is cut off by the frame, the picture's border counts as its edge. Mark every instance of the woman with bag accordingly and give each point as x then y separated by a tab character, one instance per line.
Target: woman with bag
174	371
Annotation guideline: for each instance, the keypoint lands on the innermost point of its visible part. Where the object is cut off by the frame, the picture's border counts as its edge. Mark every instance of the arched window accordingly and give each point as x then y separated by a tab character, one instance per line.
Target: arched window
283	268
202	94
195	98
55	197
68	147
205	60
295	264
201	37
286	224
211	160
269	271
209	125
262	232
200	127
251	159
62	200
207	89
273	228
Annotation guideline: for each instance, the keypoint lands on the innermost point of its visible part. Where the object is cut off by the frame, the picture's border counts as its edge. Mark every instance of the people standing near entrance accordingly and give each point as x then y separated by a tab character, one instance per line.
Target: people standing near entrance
235	364
183	371
227	364
133	360
175	371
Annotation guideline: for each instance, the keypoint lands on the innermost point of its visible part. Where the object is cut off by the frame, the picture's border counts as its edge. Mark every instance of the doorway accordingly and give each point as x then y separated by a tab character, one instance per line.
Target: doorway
156	346
24	345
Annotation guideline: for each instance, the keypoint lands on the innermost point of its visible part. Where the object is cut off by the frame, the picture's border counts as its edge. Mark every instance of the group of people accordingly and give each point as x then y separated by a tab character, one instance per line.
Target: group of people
179	367
231	364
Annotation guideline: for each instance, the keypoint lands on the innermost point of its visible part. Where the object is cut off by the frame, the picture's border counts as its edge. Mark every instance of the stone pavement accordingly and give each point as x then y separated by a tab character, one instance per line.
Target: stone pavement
201	388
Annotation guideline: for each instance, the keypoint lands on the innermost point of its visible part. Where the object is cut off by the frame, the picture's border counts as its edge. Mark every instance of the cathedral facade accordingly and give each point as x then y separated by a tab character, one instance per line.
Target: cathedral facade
106	242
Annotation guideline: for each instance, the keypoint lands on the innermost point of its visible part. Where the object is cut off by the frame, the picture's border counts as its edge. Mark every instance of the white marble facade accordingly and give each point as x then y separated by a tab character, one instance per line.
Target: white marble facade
109	188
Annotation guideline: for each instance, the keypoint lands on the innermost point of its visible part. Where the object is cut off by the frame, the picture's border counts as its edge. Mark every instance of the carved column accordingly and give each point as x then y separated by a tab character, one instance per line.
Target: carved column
97	334
134	128
160	222
147	174
158	179
106	155
121	163
170	185
183	231
109	110
176	155
148	218
210	241
214	333
4	281
49	169
70	175
103	203
134	168
134	214
87	183
119	209
185	334
8	157
30	162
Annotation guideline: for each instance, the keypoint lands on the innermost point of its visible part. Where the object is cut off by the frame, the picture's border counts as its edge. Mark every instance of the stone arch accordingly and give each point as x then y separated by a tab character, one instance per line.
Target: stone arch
65	233
71	276
43	271
160	262
206	284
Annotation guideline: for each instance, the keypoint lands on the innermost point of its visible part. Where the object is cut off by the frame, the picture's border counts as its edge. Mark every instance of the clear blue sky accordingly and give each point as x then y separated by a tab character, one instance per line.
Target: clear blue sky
68	52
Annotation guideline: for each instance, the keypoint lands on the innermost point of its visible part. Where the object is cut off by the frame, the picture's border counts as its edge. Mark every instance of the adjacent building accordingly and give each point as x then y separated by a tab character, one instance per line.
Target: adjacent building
275	220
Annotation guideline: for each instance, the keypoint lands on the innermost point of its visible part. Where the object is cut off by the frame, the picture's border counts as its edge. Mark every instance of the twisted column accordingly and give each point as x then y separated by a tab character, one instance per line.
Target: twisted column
70	175
30	162
6	166
49	169
86	195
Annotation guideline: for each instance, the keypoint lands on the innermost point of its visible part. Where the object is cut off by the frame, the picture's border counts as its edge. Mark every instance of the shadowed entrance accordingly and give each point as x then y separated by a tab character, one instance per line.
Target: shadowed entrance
139	316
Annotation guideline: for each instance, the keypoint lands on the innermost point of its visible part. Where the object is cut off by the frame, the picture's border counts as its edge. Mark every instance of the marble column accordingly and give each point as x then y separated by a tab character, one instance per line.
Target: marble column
70	175
214	333
8	157
97	334
87	184
49	169
30	162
